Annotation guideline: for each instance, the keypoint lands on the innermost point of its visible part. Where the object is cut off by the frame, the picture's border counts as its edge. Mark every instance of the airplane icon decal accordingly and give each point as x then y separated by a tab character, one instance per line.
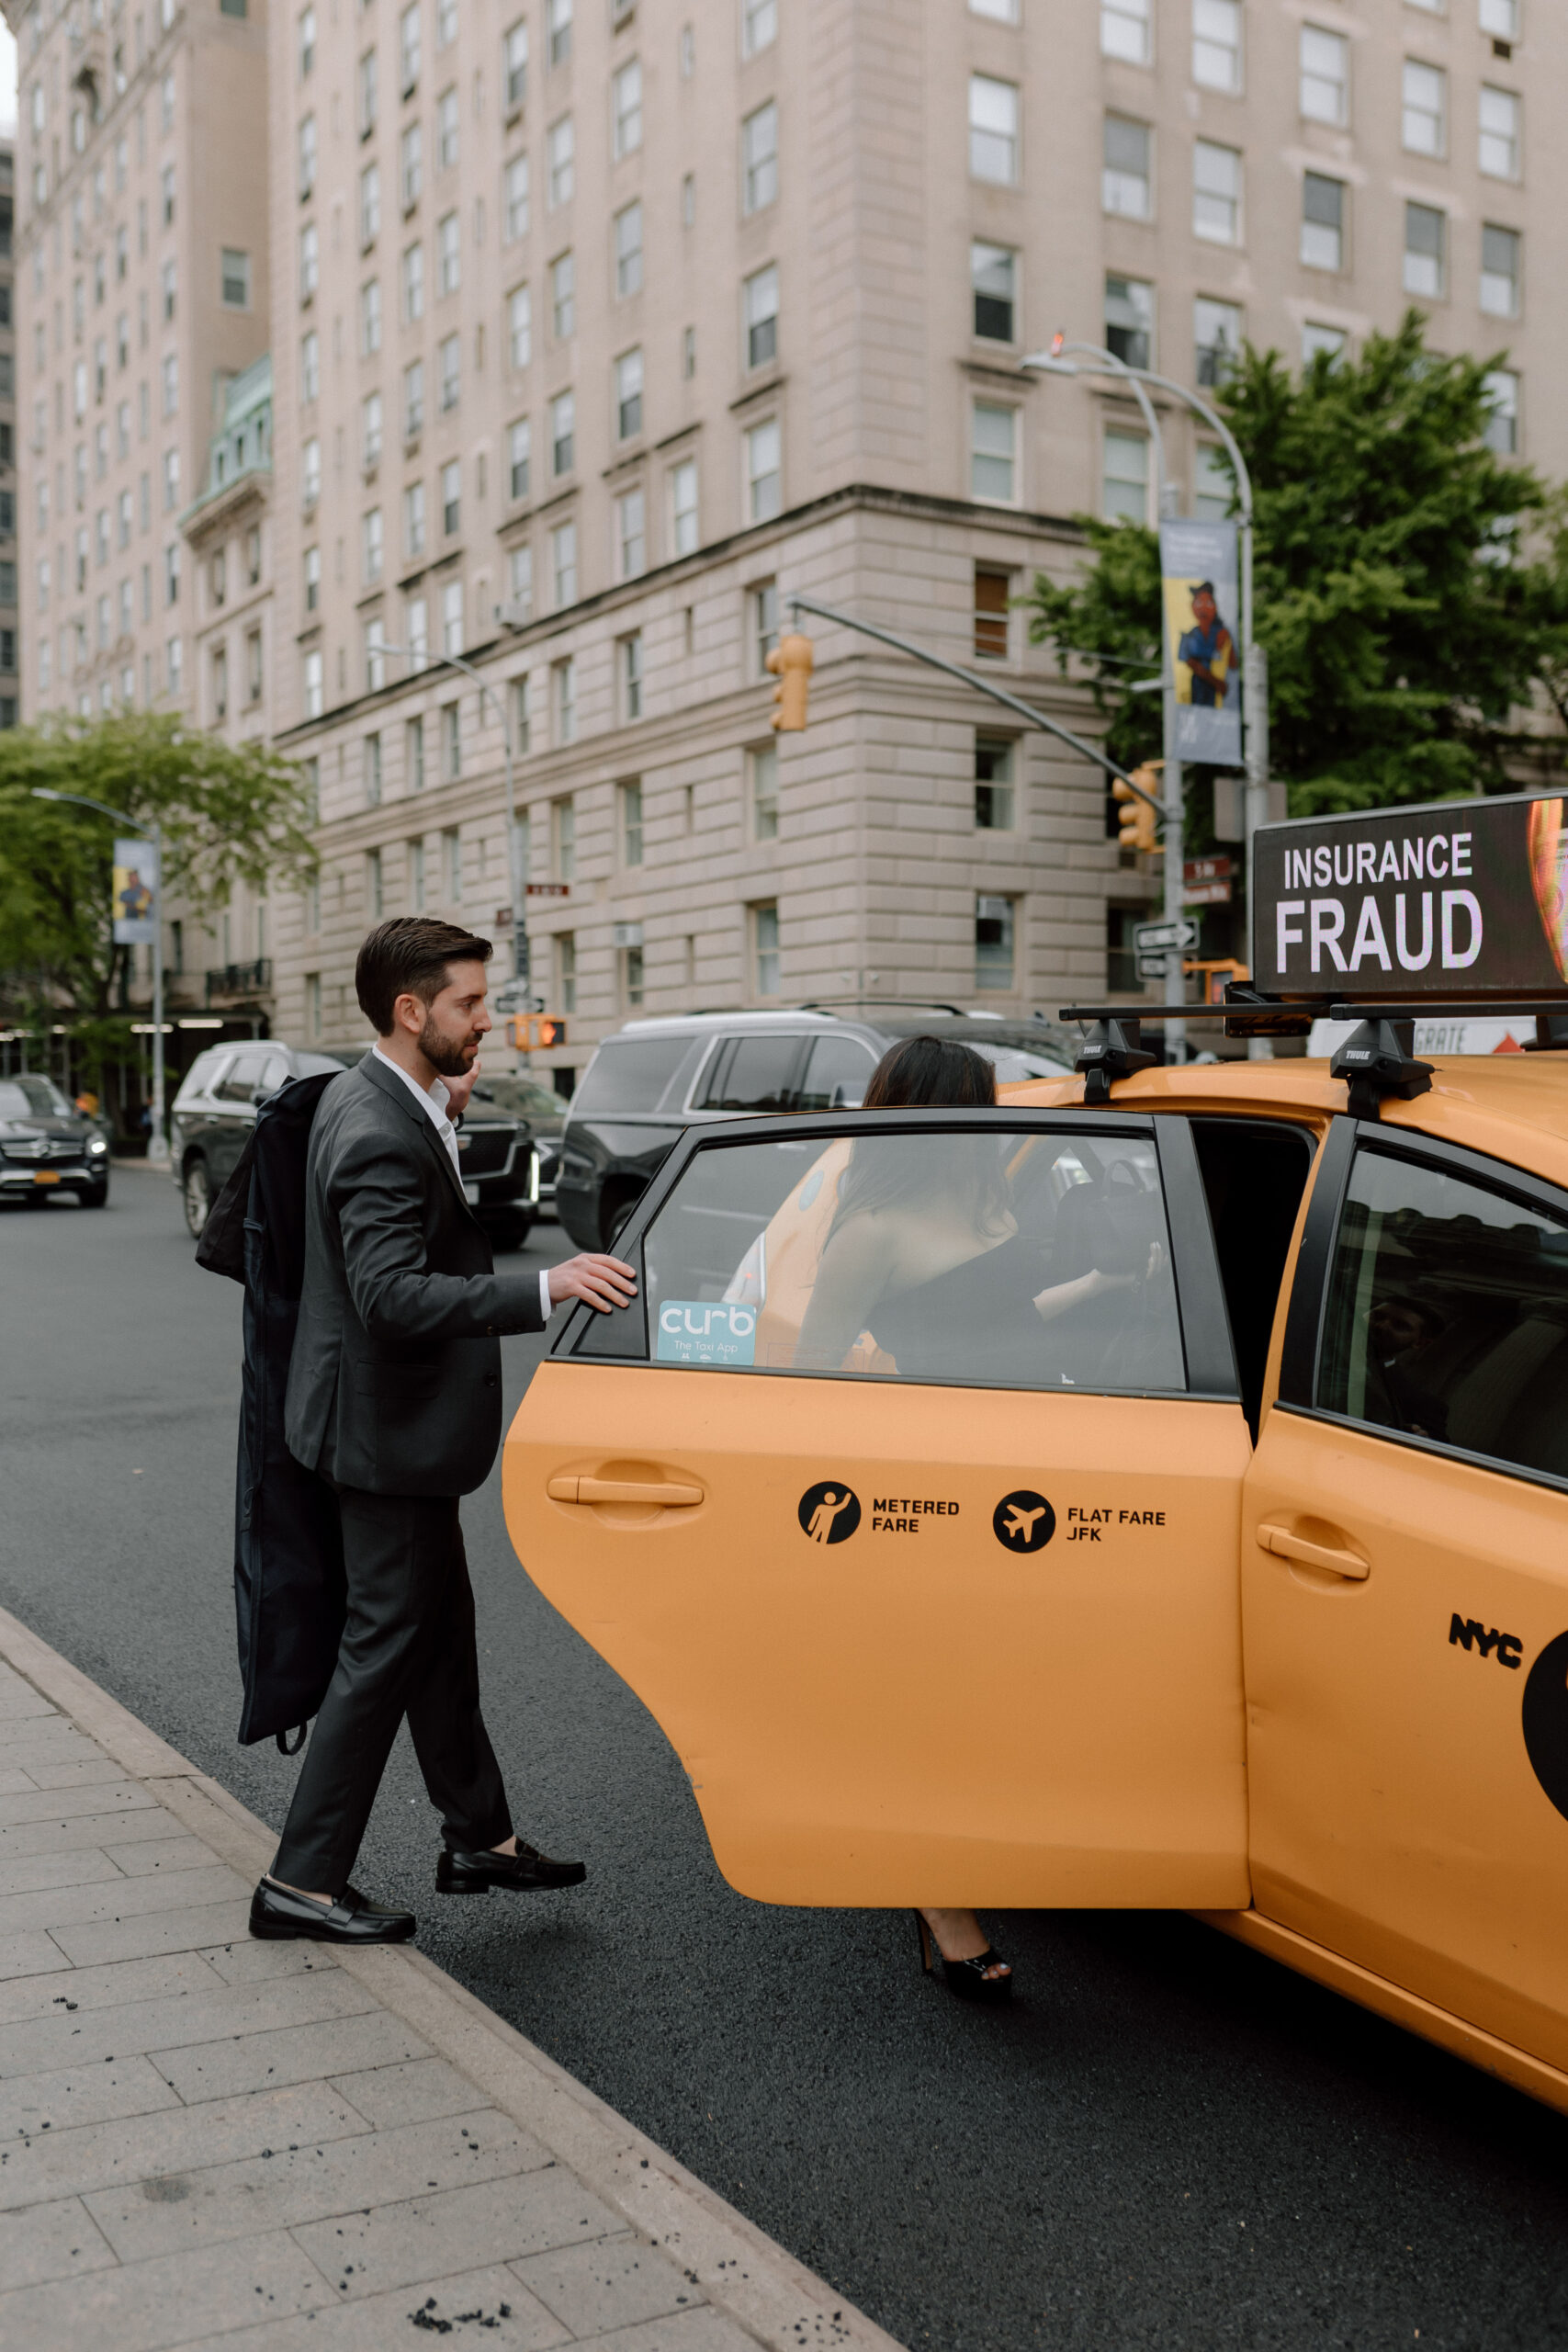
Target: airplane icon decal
1023	1521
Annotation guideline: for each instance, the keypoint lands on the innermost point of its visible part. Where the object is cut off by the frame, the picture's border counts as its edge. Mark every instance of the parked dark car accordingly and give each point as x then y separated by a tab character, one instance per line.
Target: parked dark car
653	1078
214	1111
47	1146
545	1110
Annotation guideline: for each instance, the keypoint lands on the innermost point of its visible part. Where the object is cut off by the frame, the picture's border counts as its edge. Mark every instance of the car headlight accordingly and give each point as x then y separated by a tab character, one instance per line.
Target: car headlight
97	1144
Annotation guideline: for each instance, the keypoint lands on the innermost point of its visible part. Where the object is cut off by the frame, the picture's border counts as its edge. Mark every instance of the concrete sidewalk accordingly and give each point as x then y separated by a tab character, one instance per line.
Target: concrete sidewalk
208	2141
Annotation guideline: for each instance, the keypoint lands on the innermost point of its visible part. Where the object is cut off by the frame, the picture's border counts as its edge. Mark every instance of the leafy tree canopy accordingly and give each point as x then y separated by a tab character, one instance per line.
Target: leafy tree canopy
229	814
1402	624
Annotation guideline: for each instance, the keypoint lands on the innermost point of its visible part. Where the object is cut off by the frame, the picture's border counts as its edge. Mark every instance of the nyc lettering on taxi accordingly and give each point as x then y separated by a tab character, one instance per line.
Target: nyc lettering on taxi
1087	1523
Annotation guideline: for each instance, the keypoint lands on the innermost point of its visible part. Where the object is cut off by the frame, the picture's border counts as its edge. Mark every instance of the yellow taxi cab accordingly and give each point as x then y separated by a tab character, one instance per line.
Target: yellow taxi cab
1194	1534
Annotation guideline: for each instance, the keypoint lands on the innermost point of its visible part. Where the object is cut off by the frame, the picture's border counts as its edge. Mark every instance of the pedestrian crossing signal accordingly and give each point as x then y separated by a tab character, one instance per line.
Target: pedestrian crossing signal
790	662
1135	819
537	1032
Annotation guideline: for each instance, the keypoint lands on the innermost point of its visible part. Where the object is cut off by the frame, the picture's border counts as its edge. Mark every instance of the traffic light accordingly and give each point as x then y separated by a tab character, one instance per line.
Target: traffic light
535	1032
790	662
1135	818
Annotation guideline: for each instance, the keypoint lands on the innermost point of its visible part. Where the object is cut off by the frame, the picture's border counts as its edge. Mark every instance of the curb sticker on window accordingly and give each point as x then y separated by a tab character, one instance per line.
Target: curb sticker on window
700	1330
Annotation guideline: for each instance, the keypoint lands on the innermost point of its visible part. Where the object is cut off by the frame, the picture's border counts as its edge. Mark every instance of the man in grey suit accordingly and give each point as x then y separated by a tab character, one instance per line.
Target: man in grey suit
394	1394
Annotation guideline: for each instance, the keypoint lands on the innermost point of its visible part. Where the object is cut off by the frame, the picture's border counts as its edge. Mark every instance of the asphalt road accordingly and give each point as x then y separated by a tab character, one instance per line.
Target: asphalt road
1168	2141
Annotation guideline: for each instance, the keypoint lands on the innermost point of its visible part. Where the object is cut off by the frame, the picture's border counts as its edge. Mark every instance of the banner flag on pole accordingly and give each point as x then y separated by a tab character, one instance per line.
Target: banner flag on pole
135	888
1197	584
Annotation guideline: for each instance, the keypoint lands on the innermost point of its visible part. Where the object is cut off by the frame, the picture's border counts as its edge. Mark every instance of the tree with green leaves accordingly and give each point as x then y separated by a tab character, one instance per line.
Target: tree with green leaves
1407	626
228	813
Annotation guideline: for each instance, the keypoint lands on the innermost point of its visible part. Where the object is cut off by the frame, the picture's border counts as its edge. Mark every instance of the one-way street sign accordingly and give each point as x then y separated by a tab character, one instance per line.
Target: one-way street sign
1159	938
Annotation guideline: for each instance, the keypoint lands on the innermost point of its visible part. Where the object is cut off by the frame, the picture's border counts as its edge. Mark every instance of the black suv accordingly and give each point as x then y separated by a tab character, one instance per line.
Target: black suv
216	1108
654	1078
46	1146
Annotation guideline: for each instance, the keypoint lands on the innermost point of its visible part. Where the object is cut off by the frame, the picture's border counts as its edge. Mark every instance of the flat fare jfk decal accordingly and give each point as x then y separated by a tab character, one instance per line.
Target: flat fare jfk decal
1022	1521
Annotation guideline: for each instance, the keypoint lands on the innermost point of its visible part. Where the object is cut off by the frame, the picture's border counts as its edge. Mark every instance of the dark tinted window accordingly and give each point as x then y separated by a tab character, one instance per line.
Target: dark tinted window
755	1074
1448	1314
837	1075
637	1074
1254	1176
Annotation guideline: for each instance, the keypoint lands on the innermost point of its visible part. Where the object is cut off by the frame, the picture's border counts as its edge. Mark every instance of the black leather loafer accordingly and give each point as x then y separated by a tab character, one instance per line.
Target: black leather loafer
525	1872
277	1914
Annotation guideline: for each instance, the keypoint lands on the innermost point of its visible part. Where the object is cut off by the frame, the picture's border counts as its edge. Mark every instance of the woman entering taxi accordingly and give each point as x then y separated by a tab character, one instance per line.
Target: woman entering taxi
935	1248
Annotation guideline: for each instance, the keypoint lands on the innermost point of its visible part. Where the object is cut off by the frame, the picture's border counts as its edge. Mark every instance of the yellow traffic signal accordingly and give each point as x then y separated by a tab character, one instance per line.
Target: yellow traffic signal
535	1032
790	662
1135	818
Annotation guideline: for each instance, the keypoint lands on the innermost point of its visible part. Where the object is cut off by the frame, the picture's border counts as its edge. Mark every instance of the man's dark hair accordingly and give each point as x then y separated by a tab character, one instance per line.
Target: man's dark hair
410	954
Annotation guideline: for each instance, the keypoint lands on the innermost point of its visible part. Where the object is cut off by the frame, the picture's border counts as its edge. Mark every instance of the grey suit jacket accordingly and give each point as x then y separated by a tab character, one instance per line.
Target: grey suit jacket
394	1383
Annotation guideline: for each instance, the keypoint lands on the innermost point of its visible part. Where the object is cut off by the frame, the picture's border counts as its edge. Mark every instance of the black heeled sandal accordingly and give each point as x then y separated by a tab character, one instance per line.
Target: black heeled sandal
967	1978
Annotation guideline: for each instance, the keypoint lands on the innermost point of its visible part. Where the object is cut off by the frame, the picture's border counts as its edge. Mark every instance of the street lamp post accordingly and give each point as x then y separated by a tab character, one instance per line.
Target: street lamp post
519	956
158	1145
1253	660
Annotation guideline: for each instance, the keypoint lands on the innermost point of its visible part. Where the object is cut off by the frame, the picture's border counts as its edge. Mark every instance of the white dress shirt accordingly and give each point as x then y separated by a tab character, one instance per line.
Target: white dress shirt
434	1102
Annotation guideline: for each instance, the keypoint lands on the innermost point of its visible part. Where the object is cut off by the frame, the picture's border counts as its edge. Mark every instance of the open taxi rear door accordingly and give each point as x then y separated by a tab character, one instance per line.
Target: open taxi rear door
937	1603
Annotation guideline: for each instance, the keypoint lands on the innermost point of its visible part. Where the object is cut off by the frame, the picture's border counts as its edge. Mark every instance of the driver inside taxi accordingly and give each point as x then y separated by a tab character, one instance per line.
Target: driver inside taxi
925	1252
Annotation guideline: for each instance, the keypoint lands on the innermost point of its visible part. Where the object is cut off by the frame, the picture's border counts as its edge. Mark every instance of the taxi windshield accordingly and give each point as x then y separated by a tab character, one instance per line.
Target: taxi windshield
984	1255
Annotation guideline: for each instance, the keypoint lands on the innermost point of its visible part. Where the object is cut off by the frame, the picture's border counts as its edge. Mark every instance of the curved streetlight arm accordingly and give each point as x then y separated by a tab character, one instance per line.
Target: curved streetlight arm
520	955
158	1143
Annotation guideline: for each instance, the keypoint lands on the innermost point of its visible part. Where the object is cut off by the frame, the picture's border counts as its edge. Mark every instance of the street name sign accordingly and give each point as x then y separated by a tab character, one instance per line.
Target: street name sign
1160	938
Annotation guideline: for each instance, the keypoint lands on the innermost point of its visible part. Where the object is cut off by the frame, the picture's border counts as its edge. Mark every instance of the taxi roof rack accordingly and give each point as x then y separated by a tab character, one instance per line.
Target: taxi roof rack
1378	1062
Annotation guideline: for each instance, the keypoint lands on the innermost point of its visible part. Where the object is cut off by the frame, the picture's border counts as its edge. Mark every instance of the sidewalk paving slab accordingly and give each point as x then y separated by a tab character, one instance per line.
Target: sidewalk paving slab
206	2141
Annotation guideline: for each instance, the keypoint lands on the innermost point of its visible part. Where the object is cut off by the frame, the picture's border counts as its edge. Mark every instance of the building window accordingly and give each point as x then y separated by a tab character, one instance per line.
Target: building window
992	460
374	900
626	109
369	207
234	278
1216	336
310	367
631	534
452	617
683	507
408	46
1122	950
561	156
451	496
516	205
373	771
416	634
628	250
1323	221
1212	494
630	656
762	791
1126	30
369	88
1501	386
451	741
312	579
993	283
312	1005
253	674
1216	193
522	734
993	130
452	866
1125	178
1498	18
759	158
373	546
370	318
375	655
448	254
1330	341
761	305
563	565
993	784
1216	44
1125	492
410	167
1499	133
416	873
563	686
313	671
1424	229
519	327
520	583
447	130
563	834
766	949
306	43
1500	272
413	400
759	26
557	31
993	592
628	958
629	395
630	798
413	755
566	970
763	480
413	284
563	297
563	433
1424	109
993	943
310	473
1323	88
762	607
519	459
449	360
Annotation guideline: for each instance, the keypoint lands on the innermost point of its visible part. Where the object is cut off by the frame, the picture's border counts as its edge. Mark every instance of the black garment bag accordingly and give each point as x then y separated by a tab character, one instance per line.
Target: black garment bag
289	1596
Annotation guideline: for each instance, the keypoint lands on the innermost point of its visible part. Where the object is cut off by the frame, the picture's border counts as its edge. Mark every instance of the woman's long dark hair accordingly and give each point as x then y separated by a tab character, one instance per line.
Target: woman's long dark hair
926	1073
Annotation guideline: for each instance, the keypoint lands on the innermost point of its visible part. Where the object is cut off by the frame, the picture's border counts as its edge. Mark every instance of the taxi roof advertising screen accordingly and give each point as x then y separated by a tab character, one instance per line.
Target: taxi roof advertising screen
1456	896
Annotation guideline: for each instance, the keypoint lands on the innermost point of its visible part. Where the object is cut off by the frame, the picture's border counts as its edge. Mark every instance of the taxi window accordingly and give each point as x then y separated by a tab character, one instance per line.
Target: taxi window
986	1256
1448	1316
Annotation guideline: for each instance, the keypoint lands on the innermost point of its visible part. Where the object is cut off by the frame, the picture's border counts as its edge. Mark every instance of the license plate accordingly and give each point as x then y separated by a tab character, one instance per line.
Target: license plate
45	1176
471	1194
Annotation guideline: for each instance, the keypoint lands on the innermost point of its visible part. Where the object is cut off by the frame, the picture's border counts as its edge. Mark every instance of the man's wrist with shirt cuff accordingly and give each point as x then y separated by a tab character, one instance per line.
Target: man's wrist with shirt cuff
546	1303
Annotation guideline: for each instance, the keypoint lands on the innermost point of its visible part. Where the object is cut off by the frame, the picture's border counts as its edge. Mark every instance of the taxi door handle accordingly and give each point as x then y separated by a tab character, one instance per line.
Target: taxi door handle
624	1490
1280	1541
